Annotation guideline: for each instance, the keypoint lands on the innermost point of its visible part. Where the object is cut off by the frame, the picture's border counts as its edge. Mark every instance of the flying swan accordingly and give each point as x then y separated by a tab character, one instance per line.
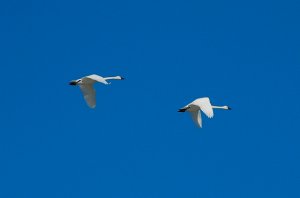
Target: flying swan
201	104
86	86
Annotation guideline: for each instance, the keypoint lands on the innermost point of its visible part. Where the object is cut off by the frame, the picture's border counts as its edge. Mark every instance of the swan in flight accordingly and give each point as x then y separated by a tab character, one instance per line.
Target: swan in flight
201	104
86	85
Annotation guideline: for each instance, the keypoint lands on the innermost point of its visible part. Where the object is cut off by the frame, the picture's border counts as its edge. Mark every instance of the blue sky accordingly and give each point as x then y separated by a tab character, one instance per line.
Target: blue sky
135	144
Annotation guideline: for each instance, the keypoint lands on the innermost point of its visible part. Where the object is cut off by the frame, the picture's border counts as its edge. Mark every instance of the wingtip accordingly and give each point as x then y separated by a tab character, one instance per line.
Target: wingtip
92	107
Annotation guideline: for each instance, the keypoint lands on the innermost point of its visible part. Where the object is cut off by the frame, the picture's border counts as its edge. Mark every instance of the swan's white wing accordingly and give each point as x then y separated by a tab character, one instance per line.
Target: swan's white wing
92	78
196	115
206	107
89	94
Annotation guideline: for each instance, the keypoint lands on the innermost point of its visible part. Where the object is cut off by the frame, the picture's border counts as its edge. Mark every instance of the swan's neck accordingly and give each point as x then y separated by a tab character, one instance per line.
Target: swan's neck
113	78
220	107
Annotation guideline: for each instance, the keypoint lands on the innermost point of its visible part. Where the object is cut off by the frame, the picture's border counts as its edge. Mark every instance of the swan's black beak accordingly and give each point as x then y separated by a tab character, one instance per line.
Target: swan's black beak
122	78
73	83
229	108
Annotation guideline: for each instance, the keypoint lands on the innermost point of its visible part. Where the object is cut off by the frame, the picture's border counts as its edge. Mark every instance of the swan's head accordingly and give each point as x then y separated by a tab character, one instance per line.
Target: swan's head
227	107
74	82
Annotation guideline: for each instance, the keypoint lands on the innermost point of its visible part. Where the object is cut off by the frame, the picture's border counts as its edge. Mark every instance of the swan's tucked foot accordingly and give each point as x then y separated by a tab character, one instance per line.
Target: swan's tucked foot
183	109
73	83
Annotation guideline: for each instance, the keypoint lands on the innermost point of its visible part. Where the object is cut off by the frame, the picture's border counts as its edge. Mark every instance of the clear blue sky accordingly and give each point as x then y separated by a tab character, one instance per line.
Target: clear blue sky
135	144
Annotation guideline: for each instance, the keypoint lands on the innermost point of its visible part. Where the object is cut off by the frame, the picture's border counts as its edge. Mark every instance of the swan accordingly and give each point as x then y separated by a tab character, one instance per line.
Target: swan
86	86
204	105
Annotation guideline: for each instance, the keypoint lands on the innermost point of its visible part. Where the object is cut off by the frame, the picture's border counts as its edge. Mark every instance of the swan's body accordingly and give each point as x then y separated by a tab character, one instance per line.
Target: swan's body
198	105
86	86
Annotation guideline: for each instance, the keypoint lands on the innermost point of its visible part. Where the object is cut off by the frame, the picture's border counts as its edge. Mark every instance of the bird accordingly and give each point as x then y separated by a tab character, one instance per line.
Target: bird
198	105
86	85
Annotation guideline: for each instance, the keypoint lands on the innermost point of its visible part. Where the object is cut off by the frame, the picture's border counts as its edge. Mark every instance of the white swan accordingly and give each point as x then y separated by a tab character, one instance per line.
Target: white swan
86	85
204	105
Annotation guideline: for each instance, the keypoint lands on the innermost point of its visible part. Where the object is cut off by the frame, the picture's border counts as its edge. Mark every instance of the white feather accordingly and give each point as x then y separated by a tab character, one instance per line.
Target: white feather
205	106
89	94
196	115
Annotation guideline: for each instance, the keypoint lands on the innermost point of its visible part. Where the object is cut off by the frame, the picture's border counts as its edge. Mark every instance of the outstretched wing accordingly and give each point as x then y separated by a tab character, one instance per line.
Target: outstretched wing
206	107
196	115
92	78
89	94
